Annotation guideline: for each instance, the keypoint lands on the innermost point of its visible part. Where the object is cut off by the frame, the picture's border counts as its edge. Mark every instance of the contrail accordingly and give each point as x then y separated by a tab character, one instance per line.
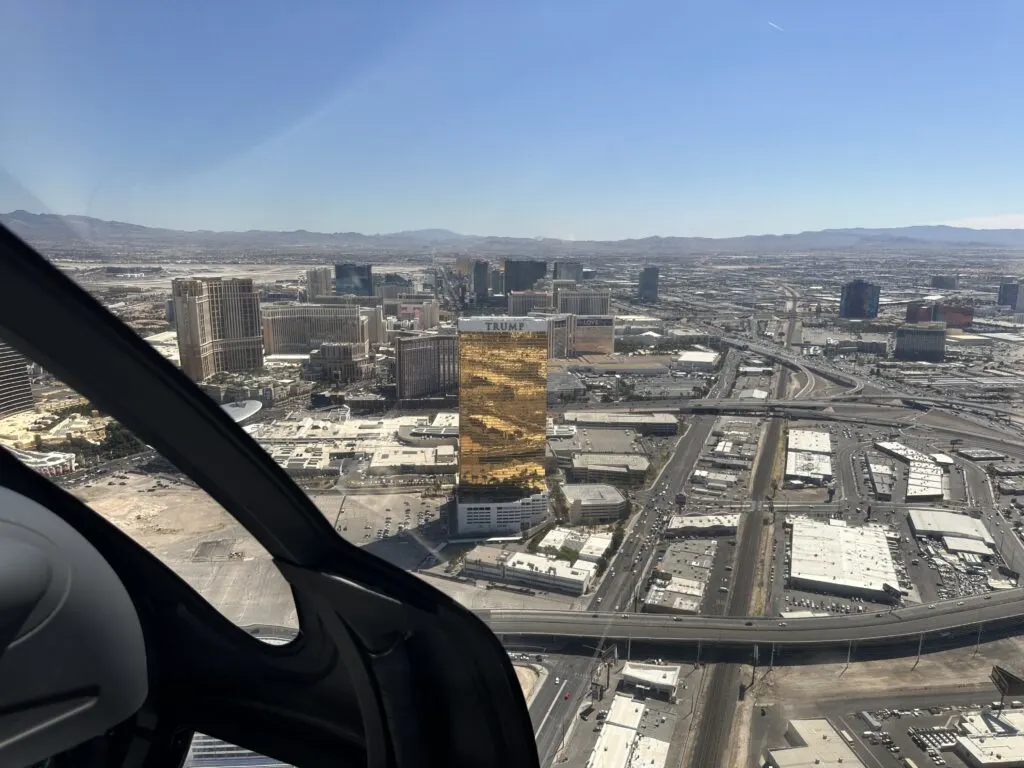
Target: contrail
776	26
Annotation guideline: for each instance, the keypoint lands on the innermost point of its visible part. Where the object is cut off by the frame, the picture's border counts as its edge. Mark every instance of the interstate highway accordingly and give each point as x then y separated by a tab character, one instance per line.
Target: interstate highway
896	625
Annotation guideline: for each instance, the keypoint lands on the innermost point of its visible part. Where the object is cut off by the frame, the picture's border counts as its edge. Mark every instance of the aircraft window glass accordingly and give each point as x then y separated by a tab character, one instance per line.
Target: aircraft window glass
58	433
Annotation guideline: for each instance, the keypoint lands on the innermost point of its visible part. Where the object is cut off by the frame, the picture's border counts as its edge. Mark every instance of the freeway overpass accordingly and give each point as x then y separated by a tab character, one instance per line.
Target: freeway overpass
875	628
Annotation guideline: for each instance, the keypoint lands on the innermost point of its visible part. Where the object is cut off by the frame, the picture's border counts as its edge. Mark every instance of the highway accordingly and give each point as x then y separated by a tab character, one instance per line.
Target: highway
881	626
719	707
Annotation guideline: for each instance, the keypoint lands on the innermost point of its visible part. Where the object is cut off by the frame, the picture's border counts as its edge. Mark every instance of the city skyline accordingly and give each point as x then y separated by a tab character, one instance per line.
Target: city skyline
674	119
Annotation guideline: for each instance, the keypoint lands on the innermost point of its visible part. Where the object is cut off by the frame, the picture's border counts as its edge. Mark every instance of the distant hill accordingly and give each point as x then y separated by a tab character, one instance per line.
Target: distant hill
67	230
70	231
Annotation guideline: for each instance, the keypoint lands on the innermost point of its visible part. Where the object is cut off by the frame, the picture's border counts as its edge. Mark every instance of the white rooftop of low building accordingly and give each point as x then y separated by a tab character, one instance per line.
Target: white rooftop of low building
942	459
613	748
615	417
881	469
596	545
1002	750
633	462
810	441
625	711
446	419
649	753
592	493
580	571
822	747
904	452
703	521
694	356
753	394
652	674
970	546
684	586
401	456
804	464
938	522
855	557
924	480
557	538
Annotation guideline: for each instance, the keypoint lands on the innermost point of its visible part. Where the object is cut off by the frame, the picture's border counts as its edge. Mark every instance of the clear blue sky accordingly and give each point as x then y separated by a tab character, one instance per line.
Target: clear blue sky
565	118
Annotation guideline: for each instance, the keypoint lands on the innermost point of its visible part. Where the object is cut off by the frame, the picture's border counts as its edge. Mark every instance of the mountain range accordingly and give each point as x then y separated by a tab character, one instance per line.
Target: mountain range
52	230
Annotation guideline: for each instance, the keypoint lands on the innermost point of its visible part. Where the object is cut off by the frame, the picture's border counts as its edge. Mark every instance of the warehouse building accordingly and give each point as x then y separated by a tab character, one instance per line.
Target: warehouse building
643	423
716	481
981	454
926	481
813	743
594	503
938	524
706	526
689	559
676	596
986	740
535	571
809	441
622	743
883	479
834	558
808	468
696	361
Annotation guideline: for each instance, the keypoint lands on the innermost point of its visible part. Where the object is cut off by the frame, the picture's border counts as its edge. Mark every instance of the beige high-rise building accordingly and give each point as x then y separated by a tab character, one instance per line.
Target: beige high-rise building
298	328
15	385
319	282
584	301
503	364
521	303
218	325
425	313
426	366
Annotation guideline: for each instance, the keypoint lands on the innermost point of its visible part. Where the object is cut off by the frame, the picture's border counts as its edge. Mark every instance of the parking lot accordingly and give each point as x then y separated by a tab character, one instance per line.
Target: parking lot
927	572
403	528
926	733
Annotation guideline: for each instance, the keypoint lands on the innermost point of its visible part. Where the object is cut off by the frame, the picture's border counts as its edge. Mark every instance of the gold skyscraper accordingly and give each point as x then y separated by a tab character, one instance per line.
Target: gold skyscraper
503	366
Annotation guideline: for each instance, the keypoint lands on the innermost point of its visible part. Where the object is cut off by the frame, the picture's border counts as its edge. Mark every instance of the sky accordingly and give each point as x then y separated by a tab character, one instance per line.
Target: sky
575	119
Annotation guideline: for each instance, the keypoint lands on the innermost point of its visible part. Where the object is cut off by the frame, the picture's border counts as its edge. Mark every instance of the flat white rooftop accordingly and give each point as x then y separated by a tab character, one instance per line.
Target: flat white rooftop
625	711
817	745
901	451
649	753
592	494
613	748
829	556
655	675
810	440
970	546
939	523
808	466
677	522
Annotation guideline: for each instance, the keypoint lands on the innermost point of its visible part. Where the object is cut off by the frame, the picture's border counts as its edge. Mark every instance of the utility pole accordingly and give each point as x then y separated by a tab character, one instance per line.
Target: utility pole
849	652
920	644
977	644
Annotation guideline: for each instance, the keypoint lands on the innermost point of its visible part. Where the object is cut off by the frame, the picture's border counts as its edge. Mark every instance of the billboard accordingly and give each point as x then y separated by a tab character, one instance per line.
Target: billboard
594	321
1008	683
503	324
